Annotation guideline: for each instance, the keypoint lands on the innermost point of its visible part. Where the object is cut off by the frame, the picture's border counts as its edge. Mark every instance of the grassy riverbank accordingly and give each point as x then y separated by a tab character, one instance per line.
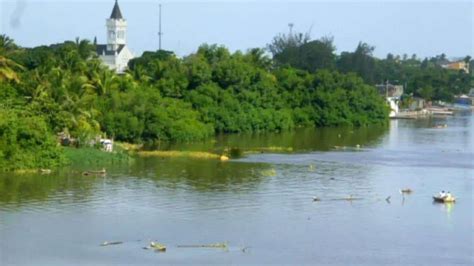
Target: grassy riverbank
96	157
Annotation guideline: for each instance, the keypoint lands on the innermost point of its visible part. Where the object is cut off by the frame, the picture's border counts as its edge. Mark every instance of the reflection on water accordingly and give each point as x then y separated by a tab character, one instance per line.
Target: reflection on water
299	140
262	201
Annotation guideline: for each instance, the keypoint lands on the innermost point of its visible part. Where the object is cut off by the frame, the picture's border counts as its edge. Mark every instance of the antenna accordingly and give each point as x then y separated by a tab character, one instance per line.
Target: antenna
291	25
160	33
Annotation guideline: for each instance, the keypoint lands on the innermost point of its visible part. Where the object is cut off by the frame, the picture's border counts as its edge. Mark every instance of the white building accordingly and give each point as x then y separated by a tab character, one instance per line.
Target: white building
115	54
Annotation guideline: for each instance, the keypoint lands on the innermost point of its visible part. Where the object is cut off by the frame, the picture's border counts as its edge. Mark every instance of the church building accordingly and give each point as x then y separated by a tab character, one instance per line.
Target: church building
115	54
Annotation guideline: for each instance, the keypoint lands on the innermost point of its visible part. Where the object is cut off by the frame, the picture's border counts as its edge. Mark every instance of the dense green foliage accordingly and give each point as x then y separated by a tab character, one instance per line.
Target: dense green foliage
26	142
65	88
422	78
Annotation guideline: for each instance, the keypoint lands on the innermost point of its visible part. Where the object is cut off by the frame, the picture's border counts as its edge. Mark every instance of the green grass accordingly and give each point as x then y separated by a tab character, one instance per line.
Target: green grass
95	157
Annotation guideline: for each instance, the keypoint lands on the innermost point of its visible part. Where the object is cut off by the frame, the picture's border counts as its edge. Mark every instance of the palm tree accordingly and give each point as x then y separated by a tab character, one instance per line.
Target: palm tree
8	67
6	44
102	82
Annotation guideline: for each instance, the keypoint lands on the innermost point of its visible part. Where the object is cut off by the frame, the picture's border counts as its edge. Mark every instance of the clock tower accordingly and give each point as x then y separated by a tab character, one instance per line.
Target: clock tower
116	29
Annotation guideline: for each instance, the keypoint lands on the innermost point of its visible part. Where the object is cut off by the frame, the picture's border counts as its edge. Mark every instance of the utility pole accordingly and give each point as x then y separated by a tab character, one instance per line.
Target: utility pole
290	25
160	33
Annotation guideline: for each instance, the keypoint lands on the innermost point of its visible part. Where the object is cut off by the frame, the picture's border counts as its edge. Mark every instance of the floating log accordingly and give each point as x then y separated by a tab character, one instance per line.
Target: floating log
106	243
100	172
350	198
406	190
215	245
45	171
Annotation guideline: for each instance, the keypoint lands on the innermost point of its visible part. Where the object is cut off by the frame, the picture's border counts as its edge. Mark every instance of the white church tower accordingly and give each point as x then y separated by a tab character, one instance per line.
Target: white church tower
115	53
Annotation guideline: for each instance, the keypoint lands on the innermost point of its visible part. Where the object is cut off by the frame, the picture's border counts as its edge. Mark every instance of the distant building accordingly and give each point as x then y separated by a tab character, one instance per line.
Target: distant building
417	104
115	54
458	65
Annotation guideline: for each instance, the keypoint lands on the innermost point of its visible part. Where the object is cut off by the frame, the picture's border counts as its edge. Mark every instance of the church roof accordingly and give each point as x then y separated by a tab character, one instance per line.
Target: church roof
101	49
116	13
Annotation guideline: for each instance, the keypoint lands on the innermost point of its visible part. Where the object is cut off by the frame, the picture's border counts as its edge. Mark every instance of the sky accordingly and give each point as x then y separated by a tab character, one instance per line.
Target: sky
424	28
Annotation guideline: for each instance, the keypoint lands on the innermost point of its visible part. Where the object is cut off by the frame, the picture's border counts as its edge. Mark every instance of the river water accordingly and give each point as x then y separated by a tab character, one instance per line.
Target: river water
261	204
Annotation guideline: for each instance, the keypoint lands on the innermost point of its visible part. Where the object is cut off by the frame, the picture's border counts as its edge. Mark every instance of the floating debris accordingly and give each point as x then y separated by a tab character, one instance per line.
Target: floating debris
223	158
274	149
106	243
350	198
156	247
178	154
268	172
100	172
45	171
387	199
406	191
222	245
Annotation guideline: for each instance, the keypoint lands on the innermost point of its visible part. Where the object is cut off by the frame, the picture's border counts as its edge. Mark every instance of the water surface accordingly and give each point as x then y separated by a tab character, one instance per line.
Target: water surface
262	202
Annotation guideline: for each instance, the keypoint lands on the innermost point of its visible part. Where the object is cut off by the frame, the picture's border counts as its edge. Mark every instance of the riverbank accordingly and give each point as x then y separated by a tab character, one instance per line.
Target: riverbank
233	146
429	112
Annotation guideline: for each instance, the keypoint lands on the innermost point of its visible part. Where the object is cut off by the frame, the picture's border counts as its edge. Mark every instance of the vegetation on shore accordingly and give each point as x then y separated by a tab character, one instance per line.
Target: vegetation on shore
162	98
89	156
421	77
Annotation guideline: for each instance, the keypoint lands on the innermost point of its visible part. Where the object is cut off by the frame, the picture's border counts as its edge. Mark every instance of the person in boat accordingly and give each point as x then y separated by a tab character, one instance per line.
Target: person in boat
448	195
442	194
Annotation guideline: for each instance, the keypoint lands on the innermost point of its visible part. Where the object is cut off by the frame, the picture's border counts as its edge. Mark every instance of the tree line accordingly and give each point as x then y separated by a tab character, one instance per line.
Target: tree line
421	77
65	88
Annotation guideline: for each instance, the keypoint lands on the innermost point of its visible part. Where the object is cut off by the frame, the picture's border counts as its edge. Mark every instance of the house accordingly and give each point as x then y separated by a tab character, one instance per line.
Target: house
458	65
115	54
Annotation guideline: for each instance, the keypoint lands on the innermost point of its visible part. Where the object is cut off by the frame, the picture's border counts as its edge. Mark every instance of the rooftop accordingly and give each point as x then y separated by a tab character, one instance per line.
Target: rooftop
116	13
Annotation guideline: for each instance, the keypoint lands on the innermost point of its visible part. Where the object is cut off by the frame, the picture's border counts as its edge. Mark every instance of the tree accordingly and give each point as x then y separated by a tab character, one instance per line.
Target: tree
8	67
283	42
360	62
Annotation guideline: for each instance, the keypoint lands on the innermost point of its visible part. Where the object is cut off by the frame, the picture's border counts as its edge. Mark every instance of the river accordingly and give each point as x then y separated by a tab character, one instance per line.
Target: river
261	204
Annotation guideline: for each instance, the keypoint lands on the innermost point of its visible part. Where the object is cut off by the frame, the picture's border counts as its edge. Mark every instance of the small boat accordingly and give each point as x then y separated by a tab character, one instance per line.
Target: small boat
445	199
